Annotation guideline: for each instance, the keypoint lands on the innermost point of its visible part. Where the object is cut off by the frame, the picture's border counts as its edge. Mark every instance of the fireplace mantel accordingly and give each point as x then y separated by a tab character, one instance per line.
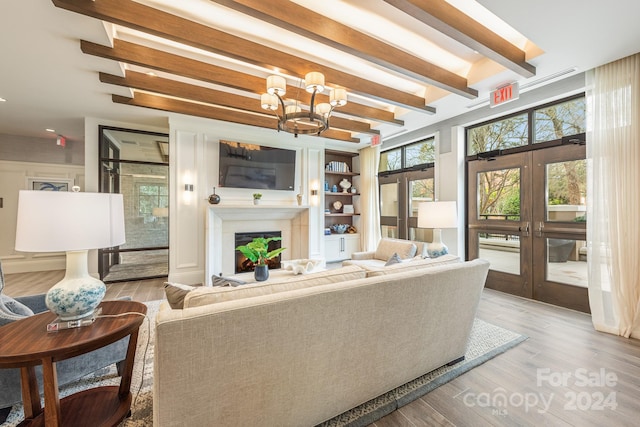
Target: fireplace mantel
256	212
223	221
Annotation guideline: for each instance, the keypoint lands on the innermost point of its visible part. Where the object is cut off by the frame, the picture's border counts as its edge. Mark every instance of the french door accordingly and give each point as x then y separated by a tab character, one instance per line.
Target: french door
527	217
400	194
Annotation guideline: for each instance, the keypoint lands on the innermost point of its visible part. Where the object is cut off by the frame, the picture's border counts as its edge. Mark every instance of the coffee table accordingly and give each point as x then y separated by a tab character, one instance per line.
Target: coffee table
26	343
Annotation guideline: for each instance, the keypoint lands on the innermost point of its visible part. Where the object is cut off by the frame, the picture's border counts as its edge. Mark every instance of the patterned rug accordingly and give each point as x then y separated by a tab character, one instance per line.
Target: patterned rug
486	342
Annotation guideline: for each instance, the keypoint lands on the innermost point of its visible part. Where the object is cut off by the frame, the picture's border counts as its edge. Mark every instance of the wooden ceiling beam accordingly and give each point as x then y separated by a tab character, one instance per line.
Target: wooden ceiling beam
162	24
210	112
174	64
155	84
448	20
312	25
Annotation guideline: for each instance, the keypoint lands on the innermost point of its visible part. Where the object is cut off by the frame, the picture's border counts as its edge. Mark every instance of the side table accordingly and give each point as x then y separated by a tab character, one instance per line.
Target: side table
26	344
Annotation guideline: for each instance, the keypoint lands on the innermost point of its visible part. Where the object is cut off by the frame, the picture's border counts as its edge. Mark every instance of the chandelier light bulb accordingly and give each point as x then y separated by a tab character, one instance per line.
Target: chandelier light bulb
269	102
276	85
314	81
338	97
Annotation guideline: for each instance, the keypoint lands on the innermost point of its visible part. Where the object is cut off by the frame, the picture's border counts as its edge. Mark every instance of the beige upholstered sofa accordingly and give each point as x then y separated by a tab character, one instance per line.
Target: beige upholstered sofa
297	354
387	247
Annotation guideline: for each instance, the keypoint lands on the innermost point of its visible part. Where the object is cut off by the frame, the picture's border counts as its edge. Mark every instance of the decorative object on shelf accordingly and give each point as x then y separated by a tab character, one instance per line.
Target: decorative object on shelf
257	251
437	215
352	230
334	189
327	211
299	197
348	209
345	185
256	198
214	199
335	166
337	205
353	190
326	185
339	228
301	266
55	221
327	231
290	116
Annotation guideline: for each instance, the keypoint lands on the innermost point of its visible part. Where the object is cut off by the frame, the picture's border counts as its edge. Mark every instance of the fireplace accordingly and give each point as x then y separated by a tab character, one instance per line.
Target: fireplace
243	264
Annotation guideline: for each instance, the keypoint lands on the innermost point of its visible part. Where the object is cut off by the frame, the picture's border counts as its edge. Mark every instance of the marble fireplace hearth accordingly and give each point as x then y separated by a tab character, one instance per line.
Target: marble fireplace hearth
224	221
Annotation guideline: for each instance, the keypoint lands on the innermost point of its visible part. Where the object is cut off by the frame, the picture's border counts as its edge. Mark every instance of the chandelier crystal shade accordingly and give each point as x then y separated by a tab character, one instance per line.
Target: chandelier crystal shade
291	118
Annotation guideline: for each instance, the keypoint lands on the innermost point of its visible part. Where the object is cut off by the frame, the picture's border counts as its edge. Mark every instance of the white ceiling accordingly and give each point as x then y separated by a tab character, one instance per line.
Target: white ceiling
49	83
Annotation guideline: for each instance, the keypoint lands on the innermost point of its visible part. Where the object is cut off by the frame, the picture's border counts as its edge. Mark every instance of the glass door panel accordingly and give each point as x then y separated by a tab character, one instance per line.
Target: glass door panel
499	214
389	206
560	226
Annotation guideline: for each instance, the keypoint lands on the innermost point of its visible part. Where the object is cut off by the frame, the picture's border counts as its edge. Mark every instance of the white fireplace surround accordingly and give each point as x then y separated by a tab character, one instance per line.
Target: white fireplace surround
223	221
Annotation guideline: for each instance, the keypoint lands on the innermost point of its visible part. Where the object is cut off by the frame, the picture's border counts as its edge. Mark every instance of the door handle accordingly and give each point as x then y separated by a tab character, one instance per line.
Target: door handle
524	230
540	229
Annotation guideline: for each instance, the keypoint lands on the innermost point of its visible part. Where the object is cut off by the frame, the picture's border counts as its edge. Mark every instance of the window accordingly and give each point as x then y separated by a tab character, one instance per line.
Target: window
556	121
409	156
499	135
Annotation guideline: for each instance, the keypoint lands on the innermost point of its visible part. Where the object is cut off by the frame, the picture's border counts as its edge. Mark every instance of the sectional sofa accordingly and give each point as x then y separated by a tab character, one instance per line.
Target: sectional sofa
304	349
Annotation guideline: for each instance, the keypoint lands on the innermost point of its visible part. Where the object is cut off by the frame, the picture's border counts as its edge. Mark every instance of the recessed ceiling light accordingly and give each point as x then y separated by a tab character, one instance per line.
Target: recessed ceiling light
151	74
50	130
2	99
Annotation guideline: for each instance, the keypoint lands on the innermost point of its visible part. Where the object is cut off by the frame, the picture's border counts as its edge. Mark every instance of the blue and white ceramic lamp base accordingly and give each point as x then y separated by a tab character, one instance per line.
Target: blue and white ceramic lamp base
78	294
436	248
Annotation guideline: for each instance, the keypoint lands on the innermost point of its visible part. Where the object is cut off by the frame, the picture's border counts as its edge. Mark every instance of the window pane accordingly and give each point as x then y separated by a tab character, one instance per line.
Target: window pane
389	199
567	261
559	120
390	160
389	231
420	153
501	250
421	190
499	195
507	133
567	191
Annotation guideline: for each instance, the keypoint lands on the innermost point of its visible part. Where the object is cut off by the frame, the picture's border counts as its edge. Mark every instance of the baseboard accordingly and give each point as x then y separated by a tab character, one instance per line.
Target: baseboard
10	266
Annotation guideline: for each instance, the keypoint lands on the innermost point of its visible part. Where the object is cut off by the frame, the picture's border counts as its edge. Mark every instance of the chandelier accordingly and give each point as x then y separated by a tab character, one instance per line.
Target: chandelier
291	118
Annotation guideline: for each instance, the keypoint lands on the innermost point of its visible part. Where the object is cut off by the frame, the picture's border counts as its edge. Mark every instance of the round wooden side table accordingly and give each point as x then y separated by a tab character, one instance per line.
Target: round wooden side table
26	343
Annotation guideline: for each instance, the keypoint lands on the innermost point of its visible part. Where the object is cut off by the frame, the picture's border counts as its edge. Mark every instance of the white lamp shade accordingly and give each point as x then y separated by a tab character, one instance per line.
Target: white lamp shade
314	81
437	215
323	108
276	85
53	221
269	101
338	97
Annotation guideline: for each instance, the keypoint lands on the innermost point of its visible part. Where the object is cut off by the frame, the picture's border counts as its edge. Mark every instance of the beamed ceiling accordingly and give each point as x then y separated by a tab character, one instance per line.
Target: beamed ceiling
394	57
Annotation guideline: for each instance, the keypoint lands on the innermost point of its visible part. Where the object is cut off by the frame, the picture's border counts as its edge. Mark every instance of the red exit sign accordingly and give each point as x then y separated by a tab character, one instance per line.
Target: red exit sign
504	94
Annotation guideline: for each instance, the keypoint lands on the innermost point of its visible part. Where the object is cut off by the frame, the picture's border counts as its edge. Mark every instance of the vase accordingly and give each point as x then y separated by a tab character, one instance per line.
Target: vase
261	273
256	201
214	199
299	197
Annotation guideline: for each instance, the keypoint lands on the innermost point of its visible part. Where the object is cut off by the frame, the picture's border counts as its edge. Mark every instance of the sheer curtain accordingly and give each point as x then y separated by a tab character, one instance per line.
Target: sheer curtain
613	202
369	202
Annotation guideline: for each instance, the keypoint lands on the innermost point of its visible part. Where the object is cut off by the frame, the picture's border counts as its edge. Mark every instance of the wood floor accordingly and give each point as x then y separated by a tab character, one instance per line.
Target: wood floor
565	374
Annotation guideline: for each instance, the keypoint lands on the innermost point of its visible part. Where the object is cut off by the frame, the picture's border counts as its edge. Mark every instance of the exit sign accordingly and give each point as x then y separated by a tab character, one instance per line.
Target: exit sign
504	94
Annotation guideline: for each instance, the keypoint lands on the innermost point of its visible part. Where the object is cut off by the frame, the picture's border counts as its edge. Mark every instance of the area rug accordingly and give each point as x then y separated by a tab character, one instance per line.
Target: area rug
486	342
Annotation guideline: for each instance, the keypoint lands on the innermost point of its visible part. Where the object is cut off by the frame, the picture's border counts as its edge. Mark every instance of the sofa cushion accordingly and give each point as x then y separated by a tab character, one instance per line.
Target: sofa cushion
387	247
175	293
208	295
409	265
225	281
393	259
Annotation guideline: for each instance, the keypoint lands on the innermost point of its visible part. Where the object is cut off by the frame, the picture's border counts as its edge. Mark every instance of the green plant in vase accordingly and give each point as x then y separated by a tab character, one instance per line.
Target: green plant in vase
256	198
257	251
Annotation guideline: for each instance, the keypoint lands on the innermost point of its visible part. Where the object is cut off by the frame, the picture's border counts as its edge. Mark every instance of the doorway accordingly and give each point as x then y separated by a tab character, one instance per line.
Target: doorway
527	216
136	165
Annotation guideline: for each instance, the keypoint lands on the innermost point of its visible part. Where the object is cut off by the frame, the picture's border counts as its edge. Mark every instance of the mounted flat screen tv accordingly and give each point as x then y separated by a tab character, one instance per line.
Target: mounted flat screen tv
255	166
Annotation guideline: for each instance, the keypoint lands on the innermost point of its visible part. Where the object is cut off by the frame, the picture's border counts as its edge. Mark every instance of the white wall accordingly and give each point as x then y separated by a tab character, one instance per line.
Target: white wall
13	178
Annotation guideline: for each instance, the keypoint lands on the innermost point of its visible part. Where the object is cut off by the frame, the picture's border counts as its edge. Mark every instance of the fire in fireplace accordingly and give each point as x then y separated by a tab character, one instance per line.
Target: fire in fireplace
243	264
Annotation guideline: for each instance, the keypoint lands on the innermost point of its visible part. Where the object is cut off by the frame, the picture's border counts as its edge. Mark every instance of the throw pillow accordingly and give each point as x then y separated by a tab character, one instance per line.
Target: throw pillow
11	309
176	292
224	281
394	259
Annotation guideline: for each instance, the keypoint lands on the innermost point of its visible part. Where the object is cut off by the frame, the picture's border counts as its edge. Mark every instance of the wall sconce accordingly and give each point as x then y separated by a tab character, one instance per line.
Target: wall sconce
314	197
188	187
314	192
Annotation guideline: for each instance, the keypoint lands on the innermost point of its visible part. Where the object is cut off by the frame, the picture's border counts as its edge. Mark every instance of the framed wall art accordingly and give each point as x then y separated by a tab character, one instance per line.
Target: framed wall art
49	184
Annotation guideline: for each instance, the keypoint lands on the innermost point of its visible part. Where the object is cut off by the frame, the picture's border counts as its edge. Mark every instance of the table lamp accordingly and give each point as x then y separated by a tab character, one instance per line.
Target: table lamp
74	222
437	215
